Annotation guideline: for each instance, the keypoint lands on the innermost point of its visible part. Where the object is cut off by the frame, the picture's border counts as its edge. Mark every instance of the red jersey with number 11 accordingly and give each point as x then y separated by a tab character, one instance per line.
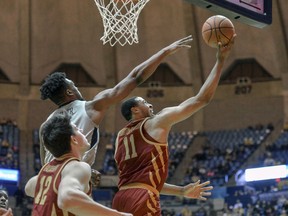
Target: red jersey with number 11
140	158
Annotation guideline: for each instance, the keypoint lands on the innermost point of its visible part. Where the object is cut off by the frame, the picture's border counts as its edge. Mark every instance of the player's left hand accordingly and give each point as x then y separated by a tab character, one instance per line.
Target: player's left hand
95	178
197	190
179	44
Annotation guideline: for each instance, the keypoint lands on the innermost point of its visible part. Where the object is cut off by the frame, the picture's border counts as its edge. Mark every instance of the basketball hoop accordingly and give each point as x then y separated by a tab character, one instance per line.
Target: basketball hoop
120	20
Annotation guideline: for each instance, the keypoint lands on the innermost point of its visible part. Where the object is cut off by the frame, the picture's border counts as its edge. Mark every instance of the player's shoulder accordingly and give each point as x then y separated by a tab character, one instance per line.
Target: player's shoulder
76	164
75	167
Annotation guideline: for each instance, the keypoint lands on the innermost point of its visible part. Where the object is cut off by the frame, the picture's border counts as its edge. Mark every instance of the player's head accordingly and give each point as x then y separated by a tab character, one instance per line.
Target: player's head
59	89
3	199
136	107
59	133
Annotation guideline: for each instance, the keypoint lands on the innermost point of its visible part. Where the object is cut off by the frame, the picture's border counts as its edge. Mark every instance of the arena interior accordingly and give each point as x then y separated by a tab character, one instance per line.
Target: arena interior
244	126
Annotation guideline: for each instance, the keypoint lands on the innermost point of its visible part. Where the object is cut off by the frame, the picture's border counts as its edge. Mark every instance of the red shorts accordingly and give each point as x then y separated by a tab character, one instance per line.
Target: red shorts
138	201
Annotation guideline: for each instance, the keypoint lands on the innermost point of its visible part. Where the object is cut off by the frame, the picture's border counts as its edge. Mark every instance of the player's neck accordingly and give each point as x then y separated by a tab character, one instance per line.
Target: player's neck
69	155
65	103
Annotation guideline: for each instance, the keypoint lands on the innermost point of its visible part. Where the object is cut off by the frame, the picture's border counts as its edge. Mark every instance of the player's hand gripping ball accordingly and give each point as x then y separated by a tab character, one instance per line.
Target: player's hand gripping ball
217	29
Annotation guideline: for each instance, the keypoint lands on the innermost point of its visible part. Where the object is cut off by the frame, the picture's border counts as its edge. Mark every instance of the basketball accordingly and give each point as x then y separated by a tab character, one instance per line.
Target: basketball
217	29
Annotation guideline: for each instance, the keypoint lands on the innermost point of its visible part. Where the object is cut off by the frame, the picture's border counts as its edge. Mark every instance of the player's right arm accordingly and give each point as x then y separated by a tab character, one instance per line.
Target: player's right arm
72	192
97	107
172	115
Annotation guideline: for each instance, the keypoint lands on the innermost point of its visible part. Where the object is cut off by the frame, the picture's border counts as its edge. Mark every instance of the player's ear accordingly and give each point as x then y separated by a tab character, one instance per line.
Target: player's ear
134	109
73	139
69	92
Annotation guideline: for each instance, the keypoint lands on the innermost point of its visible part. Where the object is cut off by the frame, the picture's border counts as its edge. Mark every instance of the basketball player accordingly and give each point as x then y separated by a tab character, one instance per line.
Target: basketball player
4	204
62	185
87	115
141	150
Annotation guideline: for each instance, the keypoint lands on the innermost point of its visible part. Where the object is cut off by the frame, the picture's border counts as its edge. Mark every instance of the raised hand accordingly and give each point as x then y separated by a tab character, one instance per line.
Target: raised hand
197	190
224	50
182	43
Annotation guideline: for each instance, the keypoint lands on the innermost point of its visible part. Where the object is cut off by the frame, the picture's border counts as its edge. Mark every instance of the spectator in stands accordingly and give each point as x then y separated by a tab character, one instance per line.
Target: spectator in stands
4	204
248	141
238	204
269	160
141	151
238	208
248	211
280	202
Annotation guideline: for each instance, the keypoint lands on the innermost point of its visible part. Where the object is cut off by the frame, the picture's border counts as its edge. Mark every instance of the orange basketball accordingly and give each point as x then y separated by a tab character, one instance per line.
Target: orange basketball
217	29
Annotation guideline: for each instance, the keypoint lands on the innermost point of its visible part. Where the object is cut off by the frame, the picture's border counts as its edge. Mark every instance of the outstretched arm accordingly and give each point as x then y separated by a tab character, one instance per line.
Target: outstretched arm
171	115
191	191
97	107
138	75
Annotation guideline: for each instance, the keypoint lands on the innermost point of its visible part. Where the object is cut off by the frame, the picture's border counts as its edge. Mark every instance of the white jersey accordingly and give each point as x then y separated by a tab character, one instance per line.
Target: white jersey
80	118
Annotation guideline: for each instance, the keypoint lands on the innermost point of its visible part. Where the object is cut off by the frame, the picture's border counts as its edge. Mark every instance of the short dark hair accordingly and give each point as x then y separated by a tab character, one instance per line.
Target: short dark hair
126	108
54	87
56	133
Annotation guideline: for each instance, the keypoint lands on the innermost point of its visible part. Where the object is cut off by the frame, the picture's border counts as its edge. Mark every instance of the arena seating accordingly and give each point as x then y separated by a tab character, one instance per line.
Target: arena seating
9	144
224	152
277	151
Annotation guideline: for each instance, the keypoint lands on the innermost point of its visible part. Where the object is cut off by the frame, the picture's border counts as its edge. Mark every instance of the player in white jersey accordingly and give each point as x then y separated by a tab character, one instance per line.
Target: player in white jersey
64	94
79	116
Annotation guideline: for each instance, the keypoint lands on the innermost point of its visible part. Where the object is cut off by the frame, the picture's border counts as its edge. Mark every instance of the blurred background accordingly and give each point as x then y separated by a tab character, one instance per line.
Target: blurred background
244	126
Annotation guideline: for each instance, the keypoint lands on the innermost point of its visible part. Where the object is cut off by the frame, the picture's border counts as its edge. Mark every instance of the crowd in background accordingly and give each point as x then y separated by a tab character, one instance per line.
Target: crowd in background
9	148
272	200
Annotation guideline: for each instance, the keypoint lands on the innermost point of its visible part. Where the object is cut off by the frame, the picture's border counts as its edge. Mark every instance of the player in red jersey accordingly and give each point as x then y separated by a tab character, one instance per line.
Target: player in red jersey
141	150
62	186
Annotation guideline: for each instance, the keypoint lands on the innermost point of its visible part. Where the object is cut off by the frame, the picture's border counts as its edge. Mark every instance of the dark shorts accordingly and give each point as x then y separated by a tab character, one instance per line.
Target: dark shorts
138	201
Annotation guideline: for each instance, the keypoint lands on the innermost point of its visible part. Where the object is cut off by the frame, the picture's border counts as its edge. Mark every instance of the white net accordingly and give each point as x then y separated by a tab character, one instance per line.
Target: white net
120	20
